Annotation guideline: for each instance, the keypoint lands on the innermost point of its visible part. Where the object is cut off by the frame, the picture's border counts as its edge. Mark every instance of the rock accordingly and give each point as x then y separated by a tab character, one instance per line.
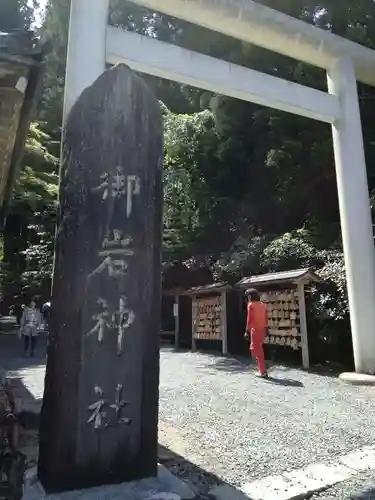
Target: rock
357	378
100	408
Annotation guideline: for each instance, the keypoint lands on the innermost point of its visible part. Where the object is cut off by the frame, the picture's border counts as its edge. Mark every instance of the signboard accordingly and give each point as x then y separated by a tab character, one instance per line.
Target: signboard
101	390
208	318
283	318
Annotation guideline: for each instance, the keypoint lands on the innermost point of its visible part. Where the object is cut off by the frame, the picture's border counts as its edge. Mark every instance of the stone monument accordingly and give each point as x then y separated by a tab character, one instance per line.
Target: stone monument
100	407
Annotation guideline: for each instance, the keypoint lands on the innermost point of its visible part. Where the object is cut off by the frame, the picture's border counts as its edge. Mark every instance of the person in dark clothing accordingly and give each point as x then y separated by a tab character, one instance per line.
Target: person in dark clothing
46	312
31	323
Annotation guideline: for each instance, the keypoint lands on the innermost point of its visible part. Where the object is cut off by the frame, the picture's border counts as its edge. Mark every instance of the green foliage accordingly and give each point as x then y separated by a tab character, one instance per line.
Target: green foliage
36	279
16	15
54	33
295	250
332	300
29	228
36	187
290	251
242	259
39	184
190	142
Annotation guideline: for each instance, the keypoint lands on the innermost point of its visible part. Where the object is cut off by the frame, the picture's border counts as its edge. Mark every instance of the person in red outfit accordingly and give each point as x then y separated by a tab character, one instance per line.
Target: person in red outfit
256	328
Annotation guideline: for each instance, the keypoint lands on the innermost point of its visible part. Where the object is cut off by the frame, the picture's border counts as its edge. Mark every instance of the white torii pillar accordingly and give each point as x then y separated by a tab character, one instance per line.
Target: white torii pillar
86	53
356	223
86	56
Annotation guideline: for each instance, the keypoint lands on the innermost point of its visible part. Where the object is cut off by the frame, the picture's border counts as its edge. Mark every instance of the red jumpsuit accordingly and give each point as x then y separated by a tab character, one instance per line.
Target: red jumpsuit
256	324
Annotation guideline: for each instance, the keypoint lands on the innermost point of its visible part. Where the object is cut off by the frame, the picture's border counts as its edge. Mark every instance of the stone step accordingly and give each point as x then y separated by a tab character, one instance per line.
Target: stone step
301	483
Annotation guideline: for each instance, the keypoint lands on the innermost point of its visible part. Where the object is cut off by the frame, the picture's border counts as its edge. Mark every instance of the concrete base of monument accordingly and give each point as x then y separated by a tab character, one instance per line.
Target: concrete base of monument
165	486
357	378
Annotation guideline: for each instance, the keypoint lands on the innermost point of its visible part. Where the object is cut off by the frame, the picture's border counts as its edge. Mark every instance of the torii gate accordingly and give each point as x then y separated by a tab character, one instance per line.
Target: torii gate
92	44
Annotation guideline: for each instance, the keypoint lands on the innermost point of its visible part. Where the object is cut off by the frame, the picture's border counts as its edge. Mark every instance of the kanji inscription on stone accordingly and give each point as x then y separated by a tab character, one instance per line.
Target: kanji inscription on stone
99	415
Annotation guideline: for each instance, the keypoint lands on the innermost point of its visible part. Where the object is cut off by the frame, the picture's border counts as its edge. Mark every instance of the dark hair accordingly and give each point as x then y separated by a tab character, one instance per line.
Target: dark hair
34	299
253	295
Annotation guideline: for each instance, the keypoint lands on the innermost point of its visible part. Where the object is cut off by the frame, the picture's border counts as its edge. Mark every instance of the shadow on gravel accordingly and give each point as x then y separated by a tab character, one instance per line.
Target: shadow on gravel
233	365
245	364
368	494
329	370
198	479
287	382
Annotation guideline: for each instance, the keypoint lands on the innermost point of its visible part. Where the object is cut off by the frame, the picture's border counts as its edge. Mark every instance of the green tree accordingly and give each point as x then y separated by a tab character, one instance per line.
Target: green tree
29	222
54	33
16	15
29	228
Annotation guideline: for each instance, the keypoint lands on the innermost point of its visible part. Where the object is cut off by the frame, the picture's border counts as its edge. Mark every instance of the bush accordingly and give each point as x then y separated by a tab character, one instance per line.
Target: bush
327	304
241	260
333	301
36	279
290	251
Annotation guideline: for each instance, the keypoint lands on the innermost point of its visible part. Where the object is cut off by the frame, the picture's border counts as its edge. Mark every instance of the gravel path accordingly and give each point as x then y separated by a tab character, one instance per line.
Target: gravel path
360	488
225	425
242	428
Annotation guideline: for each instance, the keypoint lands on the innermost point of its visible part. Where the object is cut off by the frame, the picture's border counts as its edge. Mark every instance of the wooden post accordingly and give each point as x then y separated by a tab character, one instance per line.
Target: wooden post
176	314
193	323
100	406
224	324
303	324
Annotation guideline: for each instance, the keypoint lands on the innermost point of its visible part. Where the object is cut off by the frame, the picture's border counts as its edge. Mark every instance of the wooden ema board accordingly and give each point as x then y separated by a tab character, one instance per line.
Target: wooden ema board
208	318
283	319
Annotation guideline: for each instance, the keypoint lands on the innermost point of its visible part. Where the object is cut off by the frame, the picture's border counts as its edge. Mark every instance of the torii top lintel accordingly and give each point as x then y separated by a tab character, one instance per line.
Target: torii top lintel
254	23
